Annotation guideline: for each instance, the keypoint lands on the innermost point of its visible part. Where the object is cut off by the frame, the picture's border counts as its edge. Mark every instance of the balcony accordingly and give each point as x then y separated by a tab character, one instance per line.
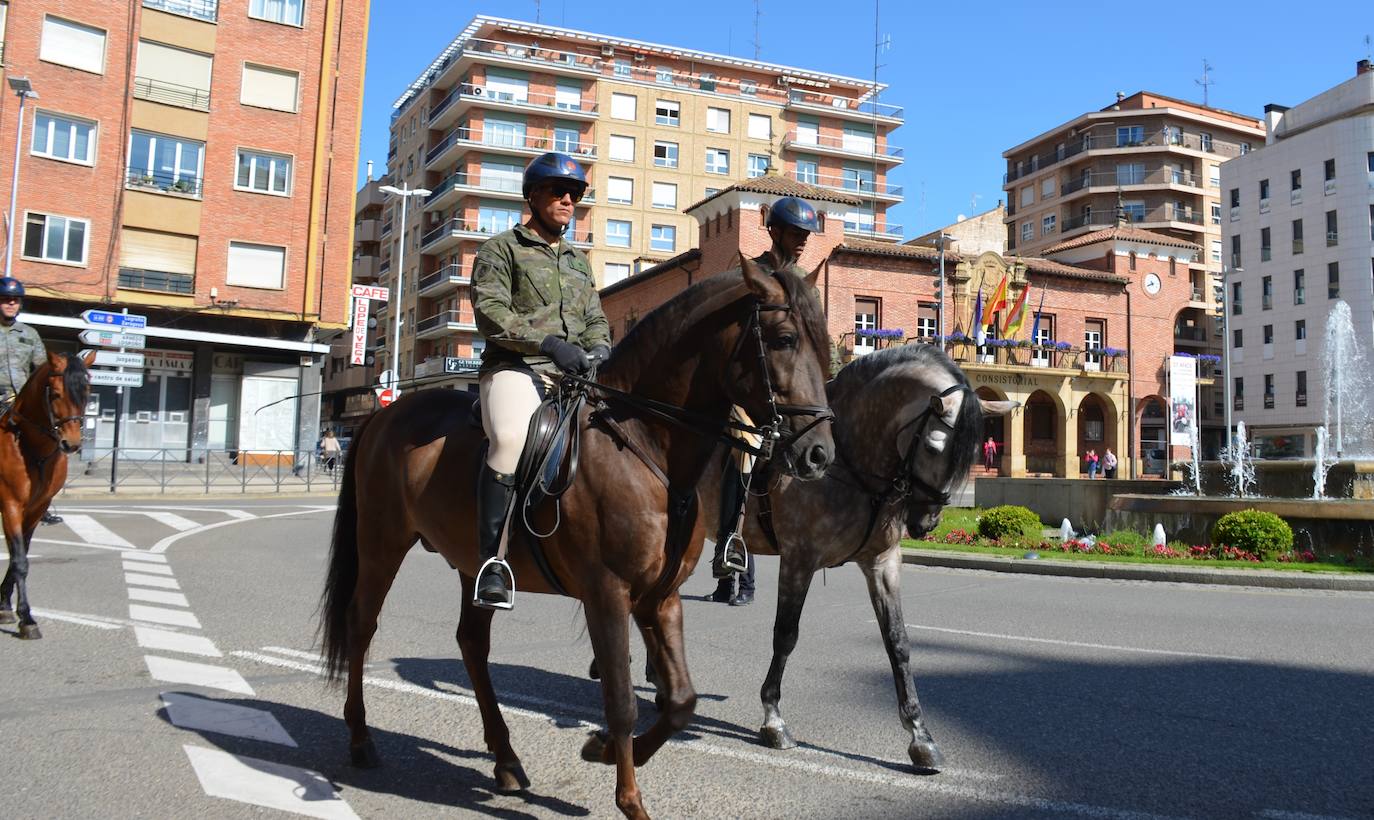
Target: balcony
864	189
181	96
1332	239
163	182
1268	401
466	95
516	55
445	280
459	141
815	102
367	230
183	284
581	239
207	10
448	234
443	323
1157	176
1075	363
365	270
884	233
498	186
1108	142
386	228
1191	335
841	147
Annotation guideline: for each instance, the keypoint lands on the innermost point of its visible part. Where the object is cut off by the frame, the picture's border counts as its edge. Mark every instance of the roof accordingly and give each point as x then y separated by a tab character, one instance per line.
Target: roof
672	263
1122	234
1049	267
875	248
1033	264
772	183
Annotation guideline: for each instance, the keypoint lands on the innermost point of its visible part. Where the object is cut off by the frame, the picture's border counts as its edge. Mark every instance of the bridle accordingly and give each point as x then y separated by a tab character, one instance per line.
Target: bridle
55	424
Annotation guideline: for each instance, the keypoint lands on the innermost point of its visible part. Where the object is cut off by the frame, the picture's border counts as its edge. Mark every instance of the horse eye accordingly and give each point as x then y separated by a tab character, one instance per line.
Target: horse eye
787	341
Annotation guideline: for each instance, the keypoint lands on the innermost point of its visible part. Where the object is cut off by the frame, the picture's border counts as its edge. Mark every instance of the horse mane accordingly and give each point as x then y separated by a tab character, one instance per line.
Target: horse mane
77	380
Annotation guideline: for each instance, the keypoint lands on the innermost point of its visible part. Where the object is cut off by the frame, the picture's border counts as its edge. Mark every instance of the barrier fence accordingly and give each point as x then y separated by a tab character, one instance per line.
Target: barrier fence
207	471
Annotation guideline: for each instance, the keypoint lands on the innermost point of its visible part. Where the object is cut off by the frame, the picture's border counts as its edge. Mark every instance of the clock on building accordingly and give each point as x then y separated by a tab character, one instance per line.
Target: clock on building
1152	283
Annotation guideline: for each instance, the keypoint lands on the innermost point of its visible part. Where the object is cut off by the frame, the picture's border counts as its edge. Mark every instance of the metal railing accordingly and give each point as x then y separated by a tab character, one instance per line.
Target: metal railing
845	104
449	273
494	183
542	102
1163	138
162	281
534	54
442	319
793	140
163	182
477	138
182	96
851	184
198	470
889	230
1157	175
199	9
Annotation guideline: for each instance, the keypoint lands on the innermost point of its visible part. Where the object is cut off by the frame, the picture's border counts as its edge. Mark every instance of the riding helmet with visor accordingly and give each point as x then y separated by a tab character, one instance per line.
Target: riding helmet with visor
9	286
794	211
554	166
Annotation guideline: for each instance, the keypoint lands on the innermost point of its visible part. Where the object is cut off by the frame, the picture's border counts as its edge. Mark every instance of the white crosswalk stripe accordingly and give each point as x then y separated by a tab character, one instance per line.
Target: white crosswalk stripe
159	615
263	783
171	670
155	569
139	579
148	557
203	714
158	596
165	640
92	531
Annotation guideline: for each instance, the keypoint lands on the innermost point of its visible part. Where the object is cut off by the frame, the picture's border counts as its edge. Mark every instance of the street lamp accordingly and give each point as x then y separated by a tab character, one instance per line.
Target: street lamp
24	88
405	194
1226	347
940	291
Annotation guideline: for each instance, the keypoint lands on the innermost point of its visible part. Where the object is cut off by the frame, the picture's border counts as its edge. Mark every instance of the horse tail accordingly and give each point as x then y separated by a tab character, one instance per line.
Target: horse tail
343	568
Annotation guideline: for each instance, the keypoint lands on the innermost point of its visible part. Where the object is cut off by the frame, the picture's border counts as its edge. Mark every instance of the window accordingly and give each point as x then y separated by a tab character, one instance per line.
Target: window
1047	187
1238	393
1268	391
1300	330
1297	236
1130	173
707	81
760	127
1216	250
620	190
1333	280
717	161
718	120
1301	392
1235	251
1268	334
1329	170
73	45
65	138
1235	197
1299	287
623	106
809	132
1027	196
163	163
290	12
265	173
665	154
1127	135
858	139
618	233
808	171
663	238
55	238
1216	213
1295	180
1264	191
748	87
568	96
1266	249
710	192
1047	225
1044	334
152	260
614	272
273	88
1134	210
1206	140
865	318
1094	337
1332	237
927	320
566	140
1214	175
256	266
622	69
664	75
1027	231
173	76
665	195
1235	299
496	219
667	112
1131	260
1237	338
622	148
857	179
758	165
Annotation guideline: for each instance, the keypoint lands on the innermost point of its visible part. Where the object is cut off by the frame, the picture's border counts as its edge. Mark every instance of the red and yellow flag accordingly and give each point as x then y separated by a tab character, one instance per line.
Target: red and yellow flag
1017	317
997	302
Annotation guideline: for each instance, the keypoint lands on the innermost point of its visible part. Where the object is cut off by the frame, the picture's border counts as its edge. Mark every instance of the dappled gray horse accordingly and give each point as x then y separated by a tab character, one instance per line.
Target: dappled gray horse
907	427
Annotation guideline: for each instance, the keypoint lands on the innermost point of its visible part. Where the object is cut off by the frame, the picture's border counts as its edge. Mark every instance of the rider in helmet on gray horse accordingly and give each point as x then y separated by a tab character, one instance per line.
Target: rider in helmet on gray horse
535	301
23	352
791	221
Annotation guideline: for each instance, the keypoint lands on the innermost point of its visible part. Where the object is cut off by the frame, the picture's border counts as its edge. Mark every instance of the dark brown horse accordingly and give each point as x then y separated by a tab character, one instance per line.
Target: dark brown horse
36	433
630	532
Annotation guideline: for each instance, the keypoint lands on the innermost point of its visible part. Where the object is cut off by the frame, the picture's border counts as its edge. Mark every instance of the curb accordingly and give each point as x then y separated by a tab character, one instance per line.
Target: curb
1272	579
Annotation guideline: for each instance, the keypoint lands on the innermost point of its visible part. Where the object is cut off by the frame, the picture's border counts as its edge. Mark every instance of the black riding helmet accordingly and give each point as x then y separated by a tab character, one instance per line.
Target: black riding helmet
553	165
794	211
9	286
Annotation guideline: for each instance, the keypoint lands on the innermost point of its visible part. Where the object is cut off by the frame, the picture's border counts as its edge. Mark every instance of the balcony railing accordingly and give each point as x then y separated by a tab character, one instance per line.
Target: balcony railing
1332	239
849	146
844	104
161	281
476	138
863	187
887	231
493	183
532	54
449	274
1157	175
199	9
1100	142
541	102
182	96
442	320
964	351
164	182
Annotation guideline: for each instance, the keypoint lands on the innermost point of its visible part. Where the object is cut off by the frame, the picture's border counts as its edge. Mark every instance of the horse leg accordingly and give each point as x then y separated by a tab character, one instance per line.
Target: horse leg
884	575
608	625
374	581
19	562
661	627
474	641
794	581
6	590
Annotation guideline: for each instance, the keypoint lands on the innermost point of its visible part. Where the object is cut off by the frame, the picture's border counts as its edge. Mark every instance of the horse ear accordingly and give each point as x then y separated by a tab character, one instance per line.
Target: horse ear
998	408
815	275
56	362
760	283
89	358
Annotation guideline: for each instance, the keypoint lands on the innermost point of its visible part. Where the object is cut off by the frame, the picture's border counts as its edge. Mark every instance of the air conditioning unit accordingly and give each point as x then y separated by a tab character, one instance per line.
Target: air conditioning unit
476	90
607	51
639	58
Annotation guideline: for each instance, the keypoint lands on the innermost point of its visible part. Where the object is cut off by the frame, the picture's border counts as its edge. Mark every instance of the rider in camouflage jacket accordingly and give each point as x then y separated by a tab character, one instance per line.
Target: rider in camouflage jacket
20	345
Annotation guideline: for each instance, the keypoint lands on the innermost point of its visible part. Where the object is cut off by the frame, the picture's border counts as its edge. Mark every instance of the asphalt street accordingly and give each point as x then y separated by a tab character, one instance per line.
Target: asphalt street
177	677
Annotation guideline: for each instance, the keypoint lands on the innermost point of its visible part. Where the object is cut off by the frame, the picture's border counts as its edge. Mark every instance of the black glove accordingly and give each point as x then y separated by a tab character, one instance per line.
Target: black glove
569	357
599	354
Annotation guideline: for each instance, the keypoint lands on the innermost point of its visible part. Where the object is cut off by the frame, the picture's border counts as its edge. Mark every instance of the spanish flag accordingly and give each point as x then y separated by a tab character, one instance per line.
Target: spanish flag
997	302
1017	317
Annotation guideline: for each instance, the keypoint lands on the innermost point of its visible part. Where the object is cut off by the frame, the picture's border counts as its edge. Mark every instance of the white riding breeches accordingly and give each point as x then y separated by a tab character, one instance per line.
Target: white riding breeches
509	399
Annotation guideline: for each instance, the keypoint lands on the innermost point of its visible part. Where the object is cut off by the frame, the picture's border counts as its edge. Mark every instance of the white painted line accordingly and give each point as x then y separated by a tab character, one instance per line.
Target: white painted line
140	555
272	785
1080	644
138	579
158	615
157	596
168	641
49	615
205	715
59	541
172	520
92	531
156	569
141	509
552	711
171	670
161	546
4	558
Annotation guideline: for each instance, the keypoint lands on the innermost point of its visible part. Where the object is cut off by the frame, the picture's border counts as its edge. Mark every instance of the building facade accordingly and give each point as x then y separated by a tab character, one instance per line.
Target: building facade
1300	235
656	127
179	158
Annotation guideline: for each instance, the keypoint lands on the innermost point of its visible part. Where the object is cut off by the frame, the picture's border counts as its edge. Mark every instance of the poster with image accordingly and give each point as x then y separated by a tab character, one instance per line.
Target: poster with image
1182	399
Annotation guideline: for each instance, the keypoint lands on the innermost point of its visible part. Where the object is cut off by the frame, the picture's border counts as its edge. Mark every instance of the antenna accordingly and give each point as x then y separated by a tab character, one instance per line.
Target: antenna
1206	80
1367	52
537	4
758	13
881	43
973	204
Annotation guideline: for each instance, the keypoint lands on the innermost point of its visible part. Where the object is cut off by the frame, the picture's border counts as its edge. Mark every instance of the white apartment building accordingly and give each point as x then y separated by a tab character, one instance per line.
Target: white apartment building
1299	236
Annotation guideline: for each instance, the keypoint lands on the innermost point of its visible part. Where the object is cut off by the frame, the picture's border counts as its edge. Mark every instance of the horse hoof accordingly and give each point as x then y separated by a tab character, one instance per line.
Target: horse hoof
7	616
594	750
926	756
364	756
510	777
777	737
30	632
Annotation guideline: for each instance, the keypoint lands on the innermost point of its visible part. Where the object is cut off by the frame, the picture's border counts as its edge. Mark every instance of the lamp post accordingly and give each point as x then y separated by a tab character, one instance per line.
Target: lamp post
405	194
940	293
24	88
1226	347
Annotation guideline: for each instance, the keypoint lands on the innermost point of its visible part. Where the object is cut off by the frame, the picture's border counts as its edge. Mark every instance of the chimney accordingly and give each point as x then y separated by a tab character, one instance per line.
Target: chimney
369	170
1363	67
1273	119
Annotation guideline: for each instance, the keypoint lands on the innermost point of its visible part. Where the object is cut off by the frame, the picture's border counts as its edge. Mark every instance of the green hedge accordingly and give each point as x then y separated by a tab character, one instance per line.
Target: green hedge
1009	522
1262	533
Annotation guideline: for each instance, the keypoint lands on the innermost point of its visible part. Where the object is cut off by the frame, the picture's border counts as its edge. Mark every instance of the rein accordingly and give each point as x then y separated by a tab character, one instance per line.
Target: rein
13	417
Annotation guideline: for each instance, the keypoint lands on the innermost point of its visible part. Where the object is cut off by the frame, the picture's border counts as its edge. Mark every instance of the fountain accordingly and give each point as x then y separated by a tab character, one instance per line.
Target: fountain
1349	396
1159	539
1066	531
1242	465
1320	465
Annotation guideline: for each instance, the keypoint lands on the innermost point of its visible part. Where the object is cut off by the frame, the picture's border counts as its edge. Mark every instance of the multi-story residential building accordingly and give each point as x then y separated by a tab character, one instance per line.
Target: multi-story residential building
656	127
1155	157
1299	234
192	161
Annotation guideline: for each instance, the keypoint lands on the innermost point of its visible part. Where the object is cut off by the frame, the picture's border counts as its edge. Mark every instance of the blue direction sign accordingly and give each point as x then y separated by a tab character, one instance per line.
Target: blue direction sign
106	318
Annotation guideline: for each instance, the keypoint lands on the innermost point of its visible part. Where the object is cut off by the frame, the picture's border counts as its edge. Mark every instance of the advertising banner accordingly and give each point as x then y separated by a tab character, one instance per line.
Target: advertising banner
359	346
1182	399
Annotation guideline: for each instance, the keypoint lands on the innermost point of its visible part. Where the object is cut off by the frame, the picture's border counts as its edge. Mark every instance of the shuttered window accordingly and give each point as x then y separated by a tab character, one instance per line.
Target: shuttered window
173	76
273	88
256	266
73	44
156	251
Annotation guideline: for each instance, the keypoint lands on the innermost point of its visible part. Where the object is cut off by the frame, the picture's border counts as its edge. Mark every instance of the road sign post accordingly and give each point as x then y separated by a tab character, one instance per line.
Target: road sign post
108	332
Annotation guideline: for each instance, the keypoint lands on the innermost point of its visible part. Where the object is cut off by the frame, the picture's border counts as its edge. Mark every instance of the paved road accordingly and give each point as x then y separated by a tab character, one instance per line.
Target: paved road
186	686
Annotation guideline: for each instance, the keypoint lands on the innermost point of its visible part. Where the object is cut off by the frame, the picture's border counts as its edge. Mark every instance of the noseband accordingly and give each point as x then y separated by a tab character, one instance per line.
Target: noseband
771	433
54	423
907	481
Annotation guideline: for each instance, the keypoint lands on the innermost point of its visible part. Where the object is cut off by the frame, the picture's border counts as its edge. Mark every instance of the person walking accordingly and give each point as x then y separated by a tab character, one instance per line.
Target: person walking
330	450
535	302
1109	464
1091	459
23	353
990	453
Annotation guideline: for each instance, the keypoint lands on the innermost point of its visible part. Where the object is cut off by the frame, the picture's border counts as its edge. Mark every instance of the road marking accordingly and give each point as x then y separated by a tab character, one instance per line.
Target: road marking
156	569
205	715
162	546
1280	814
158	615
92	531
52	615
87	544
158	596
171	670
151	581
1080	644
171	519
263	783
553	711
166	640
140	555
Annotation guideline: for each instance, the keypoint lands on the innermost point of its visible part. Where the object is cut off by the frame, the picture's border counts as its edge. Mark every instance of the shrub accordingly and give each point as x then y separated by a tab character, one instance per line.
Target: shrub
1127	538
1009	522
1254	531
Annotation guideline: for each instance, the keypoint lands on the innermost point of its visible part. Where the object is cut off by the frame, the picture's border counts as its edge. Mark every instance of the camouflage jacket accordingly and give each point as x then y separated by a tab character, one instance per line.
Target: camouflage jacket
23	352
525	289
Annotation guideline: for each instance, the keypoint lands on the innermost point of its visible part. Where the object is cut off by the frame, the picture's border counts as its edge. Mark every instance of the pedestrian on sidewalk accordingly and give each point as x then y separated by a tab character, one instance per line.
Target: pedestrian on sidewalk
1092	460
1109	464
990	453
330	450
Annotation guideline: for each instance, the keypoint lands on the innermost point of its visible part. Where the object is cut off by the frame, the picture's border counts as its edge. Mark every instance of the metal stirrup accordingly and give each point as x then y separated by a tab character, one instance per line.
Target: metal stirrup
499	565
736	556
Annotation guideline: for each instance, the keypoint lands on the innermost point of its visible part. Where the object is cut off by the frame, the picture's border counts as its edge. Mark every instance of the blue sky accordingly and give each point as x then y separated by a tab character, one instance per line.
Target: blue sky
975	78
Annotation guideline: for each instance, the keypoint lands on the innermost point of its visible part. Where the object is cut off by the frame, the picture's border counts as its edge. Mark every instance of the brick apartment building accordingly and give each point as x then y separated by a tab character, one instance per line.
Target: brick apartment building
192	161
1110	298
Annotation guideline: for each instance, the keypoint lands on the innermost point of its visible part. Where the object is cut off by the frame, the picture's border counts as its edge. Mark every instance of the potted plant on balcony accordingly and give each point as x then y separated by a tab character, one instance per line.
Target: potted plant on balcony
1207	364
880	335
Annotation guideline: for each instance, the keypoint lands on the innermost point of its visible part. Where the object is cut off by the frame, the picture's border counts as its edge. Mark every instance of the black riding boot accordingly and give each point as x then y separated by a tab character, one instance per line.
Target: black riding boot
730	554
493	505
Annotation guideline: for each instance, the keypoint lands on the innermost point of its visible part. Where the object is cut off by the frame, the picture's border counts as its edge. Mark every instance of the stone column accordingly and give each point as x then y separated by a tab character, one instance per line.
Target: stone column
1014	456
1068	456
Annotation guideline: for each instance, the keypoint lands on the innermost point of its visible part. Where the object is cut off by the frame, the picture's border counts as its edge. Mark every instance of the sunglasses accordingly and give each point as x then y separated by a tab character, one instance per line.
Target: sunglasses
8	300
562	188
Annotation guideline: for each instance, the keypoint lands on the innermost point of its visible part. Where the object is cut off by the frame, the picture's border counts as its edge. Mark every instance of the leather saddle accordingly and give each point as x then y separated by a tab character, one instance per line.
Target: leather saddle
546	457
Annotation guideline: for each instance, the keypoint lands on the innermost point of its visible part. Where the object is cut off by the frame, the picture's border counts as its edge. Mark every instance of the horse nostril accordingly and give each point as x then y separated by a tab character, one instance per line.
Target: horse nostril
817	457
